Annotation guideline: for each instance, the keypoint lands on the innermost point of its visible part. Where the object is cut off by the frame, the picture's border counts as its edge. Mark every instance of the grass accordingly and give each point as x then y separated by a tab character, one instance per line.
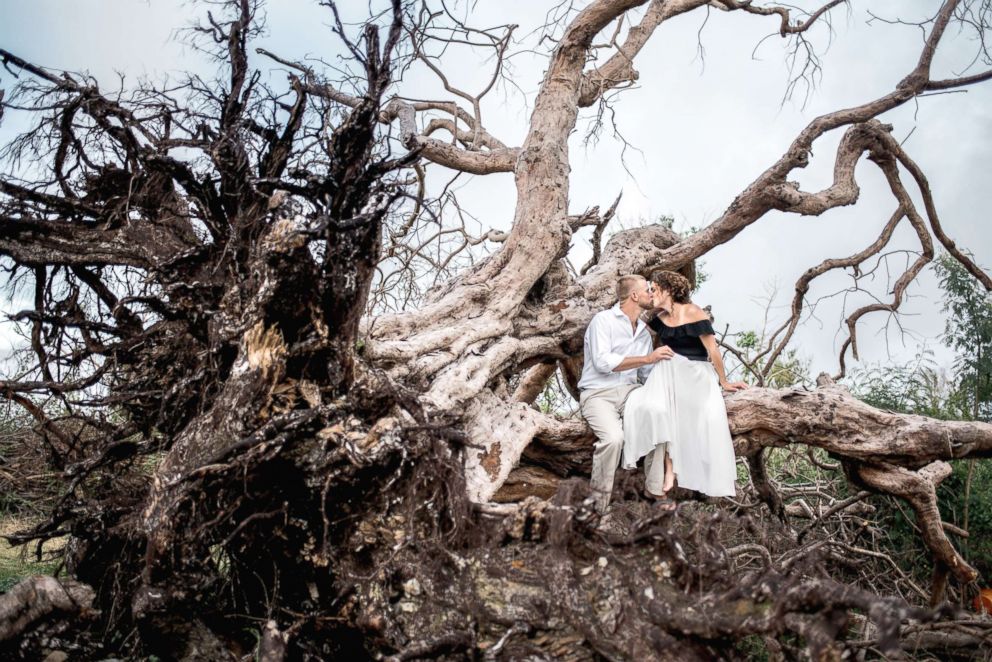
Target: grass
17	563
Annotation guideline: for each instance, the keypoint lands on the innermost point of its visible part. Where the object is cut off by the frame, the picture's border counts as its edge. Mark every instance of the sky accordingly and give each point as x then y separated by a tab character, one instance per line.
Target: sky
699	129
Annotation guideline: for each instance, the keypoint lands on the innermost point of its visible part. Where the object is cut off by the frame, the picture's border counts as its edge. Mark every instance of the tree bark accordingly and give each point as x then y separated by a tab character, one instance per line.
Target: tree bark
38	598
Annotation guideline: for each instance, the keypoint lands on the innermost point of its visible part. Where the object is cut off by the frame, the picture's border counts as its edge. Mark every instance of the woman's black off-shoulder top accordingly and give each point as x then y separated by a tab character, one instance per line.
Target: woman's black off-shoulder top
684	339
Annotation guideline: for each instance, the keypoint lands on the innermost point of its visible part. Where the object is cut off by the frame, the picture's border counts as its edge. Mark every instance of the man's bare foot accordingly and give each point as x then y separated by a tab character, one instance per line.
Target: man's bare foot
665	504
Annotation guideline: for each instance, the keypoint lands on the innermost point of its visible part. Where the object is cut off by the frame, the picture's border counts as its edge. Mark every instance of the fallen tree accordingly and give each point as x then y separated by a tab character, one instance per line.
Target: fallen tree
248	451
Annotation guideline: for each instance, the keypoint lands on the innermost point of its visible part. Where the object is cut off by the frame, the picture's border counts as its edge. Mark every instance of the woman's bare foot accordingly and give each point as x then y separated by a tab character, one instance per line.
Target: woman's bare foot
669	483
661	501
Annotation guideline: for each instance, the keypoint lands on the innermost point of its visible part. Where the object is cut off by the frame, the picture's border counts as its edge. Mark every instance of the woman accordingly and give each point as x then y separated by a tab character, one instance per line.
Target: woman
680	408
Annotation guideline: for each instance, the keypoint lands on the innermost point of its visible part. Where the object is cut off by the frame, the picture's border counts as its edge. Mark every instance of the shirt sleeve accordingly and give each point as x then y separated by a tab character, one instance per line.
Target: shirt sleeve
600	344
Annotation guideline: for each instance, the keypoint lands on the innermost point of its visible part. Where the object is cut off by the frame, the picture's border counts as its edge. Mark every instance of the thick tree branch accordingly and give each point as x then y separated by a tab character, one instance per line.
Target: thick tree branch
38	598
619	68
36	241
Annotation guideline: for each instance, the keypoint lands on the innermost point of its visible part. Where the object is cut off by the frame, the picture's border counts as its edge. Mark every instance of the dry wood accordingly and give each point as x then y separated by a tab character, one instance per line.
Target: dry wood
244	443
38	598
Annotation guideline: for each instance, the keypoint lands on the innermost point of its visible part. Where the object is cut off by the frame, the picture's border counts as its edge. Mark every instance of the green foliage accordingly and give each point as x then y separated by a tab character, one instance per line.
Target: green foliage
921	387
794	466
977	548
747	340
969	333
915	387
789	369
752	647
17	563
555	398
899	522
14	569
667	221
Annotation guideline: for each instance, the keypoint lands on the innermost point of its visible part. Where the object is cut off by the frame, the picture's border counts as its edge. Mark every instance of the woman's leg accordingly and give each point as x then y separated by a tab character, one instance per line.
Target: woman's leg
657	474
669	475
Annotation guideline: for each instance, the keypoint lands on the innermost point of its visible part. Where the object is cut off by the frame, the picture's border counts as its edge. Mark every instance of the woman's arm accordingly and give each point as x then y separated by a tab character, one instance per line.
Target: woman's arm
697	314
713	350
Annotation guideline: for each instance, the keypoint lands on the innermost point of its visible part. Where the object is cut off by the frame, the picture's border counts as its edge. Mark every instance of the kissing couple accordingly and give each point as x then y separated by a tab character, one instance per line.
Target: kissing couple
677	420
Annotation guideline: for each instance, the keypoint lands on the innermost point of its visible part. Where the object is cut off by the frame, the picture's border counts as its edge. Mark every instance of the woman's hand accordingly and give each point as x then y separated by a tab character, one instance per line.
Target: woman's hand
662	353
733	386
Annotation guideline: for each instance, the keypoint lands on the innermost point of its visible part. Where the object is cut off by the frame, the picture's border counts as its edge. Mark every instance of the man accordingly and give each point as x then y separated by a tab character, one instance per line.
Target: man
616	344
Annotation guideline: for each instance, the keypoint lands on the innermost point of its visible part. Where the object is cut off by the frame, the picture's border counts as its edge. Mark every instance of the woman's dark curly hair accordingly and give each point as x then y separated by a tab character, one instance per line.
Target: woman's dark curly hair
675	284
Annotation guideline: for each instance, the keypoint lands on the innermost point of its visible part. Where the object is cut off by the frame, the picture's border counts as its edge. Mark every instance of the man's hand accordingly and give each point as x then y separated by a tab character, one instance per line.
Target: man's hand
663	353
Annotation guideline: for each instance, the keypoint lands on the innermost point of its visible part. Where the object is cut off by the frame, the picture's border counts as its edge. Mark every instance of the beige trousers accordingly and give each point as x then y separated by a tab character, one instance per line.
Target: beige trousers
603	411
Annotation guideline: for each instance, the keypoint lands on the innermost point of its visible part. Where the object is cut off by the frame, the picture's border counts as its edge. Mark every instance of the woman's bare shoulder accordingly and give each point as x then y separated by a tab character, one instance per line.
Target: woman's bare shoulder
694	313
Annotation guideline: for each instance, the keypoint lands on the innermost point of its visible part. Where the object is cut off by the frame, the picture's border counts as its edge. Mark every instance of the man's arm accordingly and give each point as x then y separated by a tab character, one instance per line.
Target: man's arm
599	343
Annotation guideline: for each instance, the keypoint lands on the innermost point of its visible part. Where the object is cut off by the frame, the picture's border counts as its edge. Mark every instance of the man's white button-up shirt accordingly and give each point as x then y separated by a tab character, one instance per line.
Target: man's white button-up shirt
610	339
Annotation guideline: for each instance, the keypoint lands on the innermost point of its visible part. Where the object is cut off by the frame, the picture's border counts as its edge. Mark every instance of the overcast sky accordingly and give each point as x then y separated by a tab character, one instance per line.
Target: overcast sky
702	129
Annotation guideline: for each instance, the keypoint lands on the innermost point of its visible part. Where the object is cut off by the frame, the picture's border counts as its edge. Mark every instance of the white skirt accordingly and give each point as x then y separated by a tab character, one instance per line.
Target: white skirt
681	406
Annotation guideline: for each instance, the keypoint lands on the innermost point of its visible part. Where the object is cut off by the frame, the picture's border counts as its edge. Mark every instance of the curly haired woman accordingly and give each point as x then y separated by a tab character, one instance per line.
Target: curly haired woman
680	408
